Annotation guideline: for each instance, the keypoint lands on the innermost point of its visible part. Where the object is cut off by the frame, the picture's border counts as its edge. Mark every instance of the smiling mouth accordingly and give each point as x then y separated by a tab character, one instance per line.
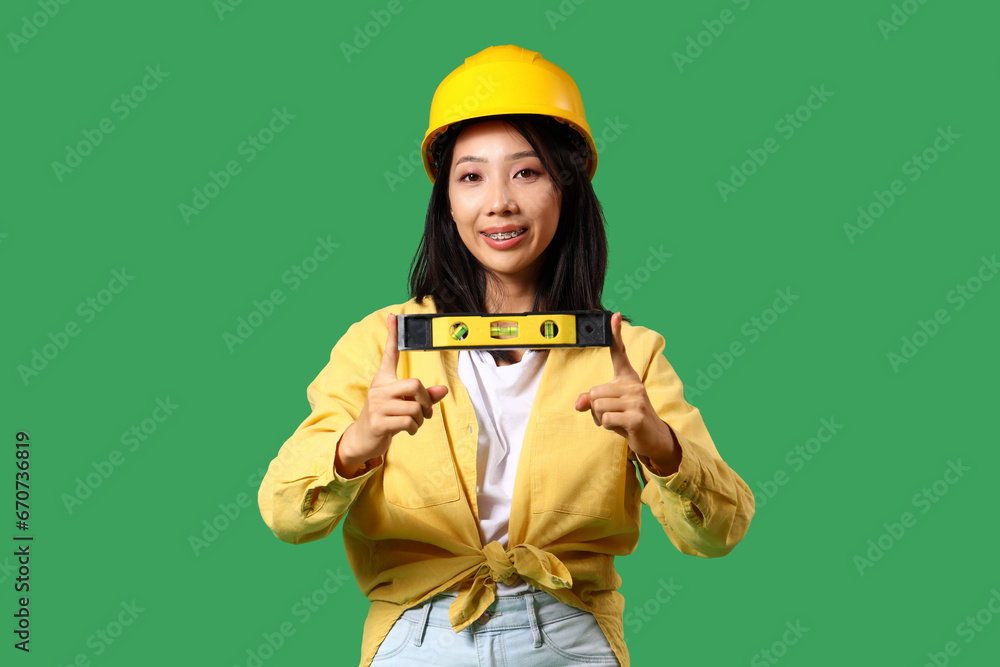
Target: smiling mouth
505	235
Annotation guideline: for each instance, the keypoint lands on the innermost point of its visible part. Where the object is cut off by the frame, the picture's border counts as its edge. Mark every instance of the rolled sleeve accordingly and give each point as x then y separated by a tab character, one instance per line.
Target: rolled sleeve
705	508
302	497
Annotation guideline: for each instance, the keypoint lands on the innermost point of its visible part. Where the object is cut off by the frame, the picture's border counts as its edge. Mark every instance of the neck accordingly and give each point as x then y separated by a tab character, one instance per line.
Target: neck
514	301
512	294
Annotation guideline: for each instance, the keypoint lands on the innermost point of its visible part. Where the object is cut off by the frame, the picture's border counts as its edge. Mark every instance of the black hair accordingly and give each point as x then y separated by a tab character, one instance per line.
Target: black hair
572	277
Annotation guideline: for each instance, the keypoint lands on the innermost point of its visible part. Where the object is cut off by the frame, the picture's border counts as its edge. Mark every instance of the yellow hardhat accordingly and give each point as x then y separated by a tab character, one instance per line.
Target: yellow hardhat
506	80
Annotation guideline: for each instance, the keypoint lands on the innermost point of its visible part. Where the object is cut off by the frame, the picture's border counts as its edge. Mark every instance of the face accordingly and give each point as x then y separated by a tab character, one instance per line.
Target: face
498	183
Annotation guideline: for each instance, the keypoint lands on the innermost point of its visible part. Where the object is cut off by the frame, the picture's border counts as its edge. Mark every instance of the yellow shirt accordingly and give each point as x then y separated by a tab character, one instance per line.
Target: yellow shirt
411	523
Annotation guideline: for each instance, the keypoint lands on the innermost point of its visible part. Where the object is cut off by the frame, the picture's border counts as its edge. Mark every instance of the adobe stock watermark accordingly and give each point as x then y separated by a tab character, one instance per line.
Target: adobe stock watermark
131	440
752	330
914	167
786	126
923	500
436	479
901	13
696	45
7	569
228	513
779	648
102	638
639	616
302	610
414	161
968	629
797	458
609	133
562	12
443	476
406	166
122	107
363	37
294	276
30	25
252	146
634	281
223	7
87	310
961	294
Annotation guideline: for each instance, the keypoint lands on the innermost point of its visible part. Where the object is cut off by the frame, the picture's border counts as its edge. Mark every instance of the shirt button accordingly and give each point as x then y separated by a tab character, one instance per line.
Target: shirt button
682	486
470	428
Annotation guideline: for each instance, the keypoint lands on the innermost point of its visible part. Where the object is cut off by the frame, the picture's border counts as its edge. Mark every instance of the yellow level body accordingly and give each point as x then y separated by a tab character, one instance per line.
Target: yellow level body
504	330
526	329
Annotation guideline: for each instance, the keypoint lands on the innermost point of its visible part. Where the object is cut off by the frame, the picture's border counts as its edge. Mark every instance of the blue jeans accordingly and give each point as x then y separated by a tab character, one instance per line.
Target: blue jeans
532	629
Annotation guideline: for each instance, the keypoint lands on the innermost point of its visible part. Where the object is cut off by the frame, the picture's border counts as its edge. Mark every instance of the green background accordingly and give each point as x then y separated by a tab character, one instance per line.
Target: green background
682	130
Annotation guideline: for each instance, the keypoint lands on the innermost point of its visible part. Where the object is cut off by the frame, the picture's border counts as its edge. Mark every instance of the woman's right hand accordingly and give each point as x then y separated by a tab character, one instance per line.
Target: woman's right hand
392	405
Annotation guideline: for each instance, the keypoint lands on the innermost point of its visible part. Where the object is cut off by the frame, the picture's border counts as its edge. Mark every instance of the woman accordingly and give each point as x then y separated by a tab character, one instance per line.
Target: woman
489	528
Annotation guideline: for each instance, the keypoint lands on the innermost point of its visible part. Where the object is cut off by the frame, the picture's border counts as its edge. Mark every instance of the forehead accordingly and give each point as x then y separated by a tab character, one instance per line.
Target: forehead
492	136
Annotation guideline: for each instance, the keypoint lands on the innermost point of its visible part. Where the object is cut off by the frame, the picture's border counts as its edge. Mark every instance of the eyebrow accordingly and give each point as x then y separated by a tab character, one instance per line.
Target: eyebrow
510	158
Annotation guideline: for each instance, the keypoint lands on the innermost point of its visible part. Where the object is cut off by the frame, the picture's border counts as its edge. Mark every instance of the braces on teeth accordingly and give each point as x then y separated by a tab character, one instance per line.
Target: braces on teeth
505	235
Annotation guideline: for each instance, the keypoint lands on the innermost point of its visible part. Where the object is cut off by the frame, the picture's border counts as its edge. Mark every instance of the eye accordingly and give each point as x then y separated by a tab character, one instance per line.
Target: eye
462	178
531	172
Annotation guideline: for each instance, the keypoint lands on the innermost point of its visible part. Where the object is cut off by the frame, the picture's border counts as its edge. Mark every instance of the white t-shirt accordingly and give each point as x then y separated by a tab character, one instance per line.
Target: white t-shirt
502	396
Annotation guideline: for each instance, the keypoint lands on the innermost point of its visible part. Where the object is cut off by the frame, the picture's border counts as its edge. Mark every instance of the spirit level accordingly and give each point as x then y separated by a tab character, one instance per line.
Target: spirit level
482	331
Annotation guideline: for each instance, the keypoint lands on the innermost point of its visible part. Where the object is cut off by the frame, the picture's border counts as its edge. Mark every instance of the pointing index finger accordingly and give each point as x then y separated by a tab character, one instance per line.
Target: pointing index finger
390	356
618	356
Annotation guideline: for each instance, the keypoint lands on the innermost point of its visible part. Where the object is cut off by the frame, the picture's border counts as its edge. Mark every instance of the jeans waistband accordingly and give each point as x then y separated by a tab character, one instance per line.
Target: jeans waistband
524	609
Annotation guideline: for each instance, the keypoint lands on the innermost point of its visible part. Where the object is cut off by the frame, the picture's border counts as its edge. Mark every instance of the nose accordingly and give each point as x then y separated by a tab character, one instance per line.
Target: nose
500	198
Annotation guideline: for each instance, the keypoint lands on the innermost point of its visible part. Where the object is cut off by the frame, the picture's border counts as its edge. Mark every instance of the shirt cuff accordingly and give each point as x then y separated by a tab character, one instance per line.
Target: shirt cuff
687	481
331	483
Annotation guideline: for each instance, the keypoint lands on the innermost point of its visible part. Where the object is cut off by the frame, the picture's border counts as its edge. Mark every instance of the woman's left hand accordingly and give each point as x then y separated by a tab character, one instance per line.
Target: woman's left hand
623	406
